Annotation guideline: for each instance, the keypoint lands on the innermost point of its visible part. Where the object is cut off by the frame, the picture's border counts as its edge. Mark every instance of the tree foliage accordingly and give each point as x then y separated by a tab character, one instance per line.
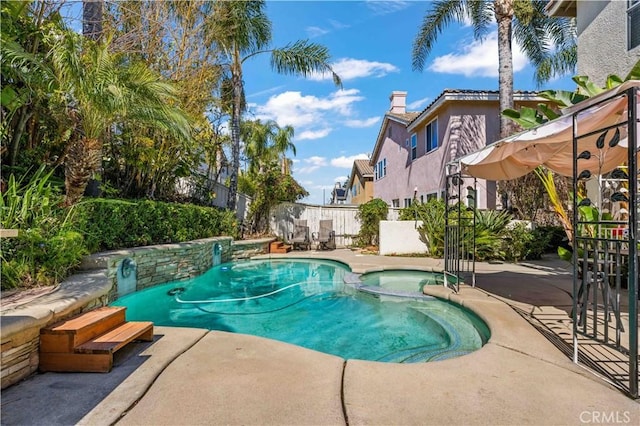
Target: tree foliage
370	214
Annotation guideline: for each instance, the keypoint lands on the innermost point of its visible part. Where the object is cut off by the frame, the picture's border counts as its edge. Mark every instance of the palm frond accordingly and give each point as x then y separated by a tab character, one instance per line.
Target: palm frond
303	58
241	25
481	15
549	42
441	14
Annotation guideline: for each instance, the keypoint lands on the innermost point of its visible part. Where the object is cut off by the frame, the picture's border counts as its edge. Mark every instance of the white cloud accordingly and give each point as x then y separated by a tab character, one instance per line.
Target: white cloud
313	134
367	122
341	179
347	162
310	115
350	69
337	24
477	59
385	7
417	104
316	31
312	164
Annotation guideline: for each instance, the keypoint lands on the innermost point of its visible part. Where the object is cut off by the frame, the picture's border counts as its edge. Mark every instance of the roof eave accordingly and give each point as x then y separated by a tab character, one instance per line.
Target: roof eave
565	8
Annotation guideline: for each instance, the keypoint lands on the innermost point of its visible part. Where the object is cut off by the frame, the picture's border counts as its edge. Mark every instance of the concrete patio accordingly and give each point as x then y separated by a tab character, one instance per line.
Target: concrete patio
192	376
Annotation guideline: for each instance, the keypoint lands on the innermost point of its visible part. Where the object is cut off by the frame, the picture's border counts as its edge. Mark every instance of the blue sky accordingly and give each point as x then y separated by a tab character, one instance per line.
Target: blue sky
370	43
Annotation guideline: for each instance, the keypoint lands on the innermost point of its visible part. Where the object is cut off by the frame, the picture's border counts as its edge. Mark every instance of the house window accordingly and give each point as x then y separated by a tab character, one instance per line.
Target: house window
432	196
381	169
395	203
633	23
422	199
431	136
414	146
407	202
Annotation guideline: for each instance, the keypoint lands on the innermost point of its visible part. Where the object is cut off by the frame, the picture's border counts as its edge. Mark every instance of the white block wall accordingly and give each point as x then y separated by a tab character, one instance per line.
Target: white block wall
400	237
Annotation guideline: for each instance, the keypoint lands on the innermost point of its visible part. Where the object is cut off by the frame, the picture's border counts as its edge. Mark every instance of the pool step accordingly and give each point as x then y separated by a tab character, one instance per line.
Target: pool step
86	343
279	247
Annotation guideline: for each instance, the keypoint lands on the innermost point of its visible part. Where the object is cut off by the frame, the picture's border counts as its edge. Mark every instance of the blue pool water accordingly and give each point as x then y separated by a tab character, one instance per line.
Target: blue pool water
409	281
307	303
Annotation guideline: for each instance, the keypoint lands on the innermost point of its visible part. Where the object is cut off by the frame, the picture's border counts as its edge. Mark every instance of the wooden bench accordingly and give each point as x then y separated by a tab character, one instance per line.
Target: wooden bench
86	343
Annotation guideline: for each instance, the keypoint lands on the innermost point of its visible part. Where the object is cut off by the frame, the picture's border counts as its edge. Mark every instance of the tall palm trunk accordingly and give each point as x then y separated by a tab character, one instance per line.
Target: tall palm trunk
92	19
236	81
82	160
503	10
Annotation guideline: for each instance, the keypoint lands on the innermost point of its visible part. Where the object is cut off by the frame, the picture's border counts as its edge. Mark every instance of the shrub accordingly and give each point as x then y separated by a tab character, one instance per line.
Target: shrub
431	231
46	249
370	214
112	224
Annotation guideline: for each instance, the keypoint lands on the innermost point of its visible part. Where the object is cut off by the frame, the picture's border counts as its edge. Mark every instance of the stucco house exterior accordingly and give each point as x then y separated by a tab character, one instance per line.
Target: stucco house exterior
413	149
360	183
608	35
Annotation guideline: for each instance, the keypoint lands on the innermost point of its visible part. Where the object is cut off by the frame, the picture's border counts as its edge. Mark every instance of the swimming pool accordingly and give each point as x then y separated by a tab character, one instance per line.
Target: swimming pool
307	303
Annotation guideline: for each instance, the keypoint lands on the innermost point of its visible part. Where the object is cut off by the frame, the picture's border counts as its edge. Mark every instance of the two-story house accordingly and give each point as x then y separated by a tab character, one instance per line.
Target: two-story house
413	149
608	35
360	183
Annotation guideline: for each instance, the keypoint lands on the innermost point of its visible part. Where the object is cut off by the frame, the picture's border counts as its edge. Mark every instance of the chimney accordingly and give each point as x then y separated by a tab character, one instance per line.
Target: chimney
398	102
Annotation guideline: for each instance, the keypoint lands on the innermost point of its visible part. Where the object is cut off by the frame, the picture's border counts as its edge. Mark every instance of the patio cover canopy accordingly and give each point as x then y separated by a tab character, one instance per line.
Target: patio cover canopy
551	144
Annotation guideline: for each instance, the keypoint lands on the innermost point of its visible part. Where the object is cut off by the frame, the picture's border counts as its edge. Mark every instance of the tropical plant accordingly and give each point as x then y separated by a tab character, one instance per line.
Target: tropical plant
548	42
265	142
267	189
98	89
432	229
243	31
370	214
27	80
46	248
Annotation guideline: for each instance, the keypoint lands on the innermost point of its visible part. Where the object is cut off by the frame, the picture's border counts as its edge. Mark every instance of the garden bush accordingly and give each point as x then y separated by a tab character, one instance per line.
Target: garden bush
370	214
46	248
112	224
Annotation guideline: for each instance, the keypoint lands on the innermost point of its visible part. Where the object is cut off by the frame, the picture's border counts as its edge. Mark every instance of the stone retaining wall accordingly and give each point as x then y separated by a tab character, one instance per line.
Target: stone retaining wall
168	262
249	248
97	286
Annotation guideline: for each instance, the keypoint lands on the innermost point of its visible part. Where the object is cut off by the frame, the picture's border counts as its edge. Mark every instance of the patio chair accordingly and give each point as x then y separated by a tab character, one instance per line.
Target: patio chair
300	238
326	236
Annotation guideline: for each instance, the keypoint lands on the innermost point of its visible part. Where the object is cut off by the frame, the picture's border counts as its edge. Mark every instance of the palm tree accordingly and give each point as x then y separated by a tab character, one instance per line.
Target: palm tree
97	90
244	31
548	42
92	19
265	142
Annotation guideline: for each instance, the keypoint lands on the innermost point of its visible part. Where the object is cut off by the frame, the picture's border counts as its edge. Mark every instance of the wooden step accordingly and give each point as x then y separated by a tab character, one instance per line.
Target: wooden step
86	343
66	335
279	247
117	338
75	363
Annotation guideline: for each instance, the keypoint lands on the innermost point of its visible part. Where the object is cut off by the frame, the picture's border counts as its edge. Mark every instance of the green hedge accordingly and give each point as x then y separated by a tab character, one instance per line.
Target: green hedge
113	224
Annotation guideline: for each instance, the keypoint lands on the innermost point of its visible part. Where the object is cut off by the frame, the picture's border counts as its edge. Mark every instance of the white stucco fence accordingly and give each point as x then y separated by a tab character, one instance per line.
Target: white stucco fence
400	237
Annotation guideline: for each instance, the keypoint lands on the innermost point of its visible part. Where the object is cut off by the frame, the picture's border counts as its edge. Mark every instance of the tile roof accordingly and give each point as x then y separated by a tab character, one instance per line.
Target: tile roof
364	167
407	116
477	95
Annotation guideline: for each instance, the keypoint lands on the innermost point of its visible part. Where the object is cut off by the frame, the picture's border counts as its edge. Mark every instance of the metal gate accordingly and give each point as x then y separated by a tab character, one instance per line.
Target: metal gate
605	247
460	234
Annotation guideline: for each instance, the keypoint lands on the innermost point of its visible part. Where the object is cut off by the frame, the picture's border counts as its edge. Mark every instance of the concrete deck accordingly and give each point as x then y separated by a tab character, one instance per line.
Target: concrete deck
191	376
